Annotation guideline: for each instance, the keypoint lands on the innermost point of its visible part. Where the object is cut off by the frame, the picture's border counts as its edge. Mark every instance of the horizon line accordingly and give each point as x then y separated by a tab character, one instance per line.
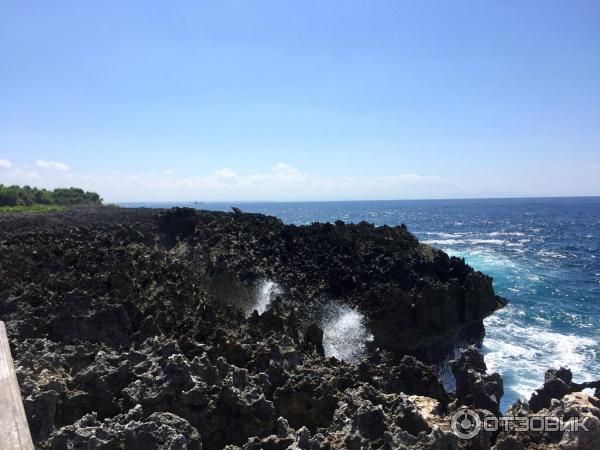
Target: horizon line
358	200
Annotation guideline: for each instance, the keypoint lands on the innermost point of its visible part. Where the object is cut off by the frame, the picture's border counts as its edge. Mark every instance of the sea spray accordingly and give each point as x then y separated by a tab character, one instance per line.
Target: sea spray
531	350
345	335
264	293
548	269
444	369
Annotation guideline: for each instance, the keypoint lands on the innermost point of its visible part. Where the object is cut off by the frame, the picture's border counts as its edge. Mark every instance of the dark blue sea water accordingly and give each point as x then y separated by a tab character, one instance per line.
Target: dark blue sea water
544	256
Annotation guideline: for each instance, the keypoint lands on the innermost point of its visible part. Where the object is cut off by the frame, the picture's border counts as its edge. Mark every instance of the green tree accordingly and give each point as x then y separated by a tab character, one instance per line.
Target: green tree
8	196
27	196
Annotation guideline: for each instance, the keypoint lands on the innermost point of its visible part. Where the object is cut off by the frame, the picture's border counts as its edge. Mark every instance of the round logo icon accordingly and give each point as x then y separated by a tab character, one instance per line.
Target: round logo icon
465	423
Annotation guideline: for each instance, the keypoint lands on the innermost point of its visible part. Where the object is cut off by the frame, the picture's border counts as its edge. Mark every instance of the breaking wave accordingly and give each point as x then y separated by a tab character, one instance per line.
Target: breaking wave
474	241
487	241
522	353
444	241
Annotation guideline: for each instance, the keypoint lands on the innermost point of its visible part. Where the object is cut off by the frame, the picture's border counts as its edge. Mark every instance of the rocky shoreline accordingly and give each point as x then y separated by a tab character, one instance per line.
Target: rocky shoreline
133	329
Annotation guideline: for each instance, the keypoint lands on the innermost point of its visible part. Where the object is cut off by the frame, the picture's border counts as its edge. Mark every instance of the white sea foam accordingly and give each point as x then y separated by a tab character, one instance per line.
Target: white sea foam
522	353
550	254
458	239
444	235
487	241
505	233
521	344
264	293
444	241
444	370
345	335
483	259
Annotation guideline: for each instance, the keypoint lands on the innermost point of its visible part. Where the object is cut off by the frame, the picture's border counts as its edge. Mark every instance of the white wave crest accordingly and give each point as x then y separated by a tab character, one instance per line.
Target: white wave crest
483	259
506	233
444	235
522	353
473	241
487	241
550	254
444	241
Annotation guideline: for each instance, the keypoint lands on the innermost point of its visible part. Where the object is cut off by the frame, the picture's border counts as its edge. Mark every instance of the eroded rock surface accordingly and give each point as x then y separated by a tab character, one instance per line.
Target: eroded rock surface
131	329
558	399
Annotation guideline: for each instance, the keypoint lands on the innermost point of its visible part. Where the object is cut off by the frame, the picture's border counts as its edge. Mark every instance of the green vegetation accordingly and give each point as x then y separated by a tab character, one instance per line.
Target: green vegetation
32	208
26	196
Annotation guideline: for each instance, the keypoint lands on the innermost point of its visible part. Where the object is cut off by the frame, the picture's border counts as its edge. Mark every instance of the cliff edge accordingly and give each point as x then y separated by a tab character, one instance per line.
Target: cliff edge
151	329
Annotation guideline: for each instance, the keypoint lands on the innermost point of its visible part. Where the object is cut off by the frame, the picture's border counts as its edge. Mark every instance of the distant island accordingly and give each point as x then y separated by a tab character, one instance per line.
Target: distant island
26	198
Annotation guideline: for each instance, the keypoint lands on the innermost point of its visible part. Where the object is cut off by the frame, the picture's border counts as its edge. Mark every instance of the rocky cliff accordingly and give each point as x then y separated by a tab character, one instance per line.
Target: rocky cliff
134	329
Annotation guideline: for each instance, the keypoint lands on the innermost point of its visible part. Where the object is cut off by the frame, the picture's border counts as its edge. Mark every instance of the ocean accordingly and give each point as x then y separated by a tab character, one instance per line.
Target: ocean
544	256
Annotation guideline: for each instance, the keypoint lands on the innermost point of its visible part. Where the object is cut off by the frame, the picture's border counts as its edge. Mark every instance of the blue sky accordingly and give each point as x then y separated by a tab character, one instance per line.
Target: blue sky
301	100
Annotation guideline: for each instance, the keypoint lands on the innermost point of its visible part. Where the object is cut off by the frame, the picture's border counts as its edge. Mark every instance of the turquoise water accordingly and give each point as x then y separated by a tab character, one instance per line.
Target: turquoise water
542	253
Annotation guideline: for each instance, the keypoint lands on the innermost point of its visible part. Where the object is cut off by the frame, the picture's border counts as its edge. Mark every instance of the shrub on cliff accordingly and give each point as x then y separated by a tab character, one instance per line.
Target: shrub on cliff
26	196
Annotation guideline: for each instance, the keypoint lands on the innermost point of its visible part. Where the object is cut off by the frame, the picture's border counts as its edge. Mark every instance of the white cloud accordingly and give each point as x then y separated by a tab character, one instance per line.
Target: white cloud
52	165
280	182
226	174
5	164
24	174
281	175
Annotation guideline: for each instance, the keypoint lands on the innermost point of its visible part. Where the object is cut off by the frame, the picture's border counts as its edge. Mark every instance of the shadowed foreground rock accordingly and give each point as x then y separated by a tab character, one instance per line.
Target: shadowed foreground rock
133	329
474	387
561	398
